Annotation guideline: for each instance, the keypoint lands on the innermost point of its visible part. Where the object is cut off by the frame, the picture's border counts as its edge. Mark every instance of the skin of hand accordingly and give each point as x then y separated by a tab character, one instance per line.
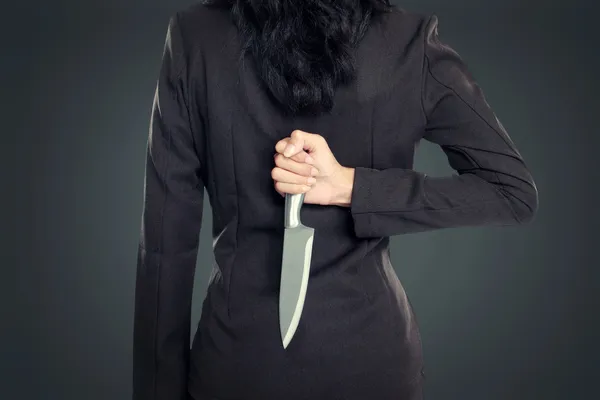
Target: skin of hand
304	163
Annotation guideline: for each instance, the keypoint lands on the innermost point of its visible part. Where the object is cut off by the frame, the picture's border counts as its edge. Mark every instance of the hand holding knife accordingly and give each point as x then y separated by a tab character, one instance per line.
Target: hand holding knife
306	172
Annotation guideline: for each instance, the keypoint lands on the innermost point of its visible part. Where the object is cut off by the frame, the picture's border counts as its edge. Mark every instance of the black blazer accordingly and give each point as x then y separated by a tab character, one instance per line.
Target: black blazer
213	126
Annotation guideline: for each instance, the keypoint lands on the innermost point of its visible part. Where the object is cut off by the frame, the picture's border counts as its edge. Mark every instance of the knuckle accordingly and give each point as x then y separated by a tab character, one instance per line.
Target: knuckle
280	146
296	133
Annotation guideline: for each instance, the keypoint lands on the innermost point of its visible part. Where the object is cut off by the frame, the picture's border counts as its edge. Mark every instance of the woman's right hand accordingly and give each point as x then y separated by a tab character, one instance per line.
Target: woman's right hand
293	175
305	164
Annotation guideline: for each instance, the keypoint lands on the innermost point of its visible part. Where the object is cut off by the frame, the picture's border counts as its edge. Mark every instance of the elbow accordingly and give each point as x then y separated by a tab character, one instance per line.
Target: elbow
529	209
525	204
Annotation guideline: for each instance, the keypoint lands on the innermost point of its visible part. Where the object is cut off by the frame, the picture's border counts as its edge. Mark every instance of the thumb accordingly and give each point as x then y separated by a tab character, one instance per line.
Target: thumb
300	140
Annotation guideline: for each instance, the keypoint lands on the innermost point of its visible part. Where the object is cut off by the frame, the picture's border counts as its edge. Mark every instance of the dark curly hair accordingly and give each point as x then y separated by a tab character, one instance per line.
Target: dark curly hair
302	49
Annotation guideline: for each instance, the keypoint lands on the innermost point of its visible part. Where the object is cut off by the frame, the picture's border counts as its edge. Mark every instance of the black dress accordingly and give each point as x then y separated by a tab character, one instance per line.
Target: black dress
213	126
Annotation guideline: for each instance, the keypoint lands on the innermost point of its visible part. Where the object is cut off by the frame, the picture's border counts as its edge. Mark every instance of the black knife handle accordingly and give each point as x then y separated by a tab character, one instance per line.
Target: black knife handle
293	205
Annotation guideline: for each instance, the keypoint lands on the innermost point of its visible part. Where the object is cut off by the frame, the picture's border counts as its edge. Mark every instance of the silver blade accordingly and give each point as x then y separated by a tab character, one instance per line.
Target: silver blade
295	268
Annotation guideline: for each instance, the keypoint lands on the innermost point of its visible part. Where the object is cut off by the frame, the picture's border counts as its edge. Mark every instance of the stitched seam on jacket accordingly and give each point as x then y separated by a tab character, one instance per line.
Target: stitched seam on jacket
499	190
372	155
427	209
237	216
423	71
467	104
159	264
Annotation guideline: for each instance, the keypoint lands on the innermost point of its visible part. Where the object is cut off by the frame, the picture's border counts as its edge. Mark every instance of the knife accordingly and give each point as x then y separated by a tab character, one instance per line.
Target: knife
295	267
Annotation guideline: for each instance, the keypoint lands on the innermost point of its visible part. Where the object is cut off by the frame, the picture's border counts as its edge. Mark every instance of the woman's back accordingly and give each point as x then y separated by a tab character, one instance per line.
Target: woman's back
347	325
215	125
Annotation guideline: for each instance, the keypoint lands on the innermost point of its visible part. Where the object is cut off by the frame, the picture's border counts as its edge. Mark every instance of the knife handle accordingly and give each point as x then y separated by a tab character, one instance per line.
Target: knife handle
293	205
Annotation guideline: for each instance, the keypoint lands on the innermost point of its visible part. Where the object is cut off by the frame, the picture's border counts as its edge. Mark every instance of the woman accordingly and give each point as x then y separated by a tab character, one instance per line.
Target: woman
353	86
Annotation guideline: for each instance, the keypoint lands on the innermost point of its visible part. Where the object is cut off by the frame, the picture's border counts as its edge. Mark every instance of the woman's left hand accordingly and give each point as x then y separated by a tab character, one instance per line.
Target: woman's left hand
296	156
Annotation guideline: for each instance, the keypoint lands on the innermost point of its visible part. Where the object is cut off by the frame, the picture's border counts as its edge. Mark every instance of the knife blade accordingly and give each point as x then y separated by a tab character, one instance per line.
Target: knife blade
295	267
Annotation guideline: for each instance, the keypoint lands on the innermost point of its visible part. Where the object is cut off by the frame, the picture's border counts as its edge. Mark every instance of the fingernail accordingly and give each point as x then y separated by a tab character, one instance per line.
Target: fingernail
307	188
309	160
314	171
312	180
289	150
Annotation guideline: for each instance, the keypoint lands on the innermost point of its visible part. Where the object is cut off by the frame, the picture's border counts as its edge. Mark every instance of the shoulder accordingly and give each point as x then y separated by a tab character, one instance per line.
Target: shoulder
407	33
406	21
407	25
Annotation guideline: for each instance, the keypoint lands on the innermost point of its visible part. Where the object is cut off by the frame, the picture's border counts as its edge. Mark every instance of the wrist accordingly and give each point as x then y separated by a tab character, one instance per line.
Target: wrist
342	195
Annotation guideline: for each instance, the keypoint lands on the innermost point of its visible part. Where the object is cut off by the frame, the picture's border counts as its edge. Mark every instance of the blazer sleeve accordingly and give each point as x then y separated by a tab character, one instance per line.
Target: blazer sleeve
492	184
171	221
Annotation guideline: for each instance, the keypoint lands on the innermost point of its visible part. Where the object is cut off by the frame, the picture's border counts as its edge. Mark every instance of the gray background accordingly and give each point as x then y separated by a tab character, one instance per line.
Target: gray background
77	84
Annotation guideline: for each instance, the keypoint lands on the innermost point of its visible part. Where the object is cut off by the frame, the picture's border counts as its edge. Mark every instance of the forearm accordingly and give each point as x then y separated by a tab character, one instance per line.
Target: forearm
397	201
